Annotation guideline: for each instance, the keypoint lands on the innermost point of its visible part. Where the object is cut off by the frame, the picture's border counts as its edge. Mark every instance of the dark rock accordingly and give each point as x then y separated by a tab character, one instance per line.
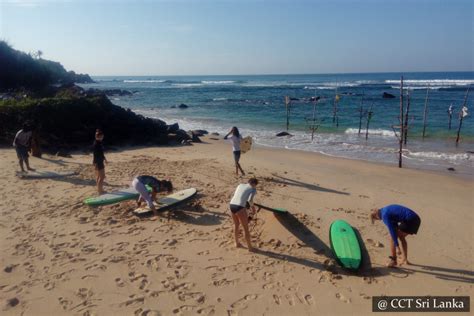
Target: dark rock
283	134
294	99
215	134
173	107
199	132
117	92
183	106
9	268
388	96
13	302
451	169
195	138
173	128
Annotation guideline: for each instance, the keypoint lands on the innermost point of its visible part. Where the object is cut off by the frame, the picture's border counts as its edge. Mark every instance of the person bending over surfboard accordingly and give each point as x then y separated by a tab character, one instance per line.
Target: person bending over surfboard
98	160
140	183
241	201
401	221
235	138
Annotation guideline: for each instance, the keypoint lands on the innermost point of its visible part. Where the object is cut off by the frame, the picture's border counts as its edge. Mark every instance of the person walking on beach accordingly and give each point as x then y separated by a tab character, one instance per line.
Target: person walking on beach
235	137
240	203
139	183
22	144
98	160
401	221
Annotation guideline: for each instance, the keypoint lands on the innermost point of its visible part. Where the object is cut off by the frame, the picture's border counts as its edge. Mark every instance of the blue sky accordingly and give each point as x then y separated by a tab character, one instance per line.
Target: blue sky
244	37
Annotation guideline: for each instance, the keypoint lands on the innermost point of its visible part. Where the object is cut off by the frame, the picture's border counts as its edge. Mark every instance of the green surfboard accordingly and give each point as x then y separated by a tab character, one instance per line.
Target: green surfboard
113	197
272	209
345	245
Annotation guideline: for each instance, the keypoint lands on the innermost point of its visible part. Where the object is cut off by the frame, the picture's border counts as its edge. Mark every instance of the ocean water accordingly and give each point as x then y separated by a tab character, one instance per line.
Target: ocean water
256	105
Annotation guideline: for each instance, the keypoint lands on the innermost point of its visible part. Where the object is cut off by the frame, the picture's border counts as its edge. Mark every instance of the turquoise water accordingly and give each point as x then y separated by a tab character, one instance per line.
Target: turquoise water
256	105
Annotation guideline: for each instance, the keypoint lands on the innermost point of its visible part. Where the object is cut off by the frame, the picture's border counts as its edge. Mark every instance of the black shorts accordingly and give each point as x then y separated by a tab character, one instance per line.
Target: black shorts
235	208
21	152
410	227
237	156
99	165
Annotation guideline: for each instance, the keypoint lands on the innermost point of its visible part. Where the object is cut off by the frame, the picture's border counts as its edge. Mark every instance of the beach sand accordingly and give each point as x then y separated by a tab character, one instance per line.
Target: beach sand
61	257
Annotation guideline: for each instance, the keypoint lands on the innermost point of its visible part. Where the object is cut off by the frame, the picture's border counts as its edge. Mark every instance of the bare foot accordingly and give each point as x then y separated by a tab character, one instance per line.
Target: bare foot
392	264
238	245
31	169
405	261
251	249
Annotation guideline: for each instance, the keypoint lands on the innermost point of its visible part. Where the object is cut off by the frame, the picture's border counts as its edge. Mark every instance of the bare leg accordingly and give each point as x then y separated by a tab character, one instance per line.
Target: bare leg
100	180
21	165
236	168
242	214
393	252
236	230
404	243
242	171
28	165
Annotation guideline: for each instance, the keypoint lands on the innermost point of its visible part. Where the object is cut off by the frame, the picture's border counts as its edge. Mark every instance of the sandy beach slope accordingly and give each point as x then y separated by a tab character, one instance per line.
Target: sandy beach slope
60	257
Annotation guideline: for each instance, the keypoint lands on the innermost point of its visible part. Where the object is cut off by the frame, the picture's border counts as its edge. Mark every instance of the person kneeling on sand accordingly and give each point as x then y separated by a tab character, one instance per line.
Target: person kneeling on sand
140	183
401	221
240	203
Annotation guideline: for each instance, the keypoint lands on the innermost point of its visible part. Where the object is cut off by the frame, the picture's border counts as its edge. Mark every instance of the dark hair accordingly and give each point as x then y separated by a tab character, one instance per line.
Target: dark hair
253	181
235	131
167	185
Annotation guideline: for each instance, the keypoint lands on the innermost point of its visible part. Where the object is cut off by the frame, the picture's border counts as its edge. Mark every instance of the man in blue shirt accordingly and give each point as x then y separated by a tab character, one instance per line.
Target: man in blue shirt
401	221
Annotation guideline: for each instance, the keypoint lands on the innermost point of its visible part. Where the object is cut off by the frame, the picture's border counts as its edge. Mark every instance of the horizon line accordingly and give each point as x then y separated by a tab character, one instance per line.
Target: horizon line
290	74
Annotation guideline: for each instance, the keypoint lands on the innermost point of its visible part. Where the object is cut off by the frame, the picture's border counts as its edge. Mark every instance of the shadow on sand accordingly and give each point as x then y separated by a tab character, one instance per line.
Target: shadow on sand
309	186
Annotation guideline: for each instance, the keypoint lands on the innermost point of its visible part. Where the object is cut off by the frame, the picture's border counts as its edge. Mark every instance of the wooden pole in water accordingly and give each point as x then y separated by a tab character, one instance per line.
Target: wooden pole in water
361	112
287	105
369	117
450	114
314	119
425	112
334	115
401	124
406	118
461	116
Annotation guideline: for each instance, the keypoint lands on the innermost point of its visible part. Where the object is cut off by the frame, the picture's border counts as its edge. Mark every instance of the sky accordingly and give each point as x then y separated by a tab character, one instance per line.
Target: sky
225	37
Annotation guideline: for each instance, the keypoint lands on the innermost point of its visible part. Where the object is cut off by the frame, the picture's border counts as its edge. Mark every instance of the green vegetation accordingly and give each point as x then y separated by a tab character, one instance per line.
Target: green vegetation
21	71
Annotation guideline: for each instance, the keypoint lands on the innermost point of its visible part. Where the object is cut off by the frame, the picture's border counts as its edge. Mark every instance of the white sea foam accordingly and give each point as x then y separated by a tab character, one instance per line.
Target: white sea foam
440	156
144	81
219	99
187	85
434	82
217	82
380	132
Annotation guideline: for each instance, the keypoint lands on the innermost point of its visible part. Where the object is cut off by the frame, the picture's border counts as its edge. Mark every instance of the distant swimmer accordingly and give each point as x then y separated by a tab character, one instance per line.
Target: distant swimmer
239	205
401	221
141	182
235	137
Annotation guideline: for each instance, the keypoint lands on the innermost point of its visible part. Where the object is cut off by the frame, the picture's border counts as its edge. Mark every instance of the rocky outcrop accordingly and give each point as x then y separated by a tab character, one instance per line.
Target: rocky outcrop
183	106
388	96
71	122
283	134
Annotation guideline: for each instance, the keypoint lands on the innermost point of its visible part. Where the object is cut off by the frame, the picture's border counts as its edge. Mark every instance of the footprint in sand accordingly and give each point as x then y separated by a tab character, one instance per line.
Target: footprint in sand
183	309
309	299
242	303
133	301
119	282
276	298
343	298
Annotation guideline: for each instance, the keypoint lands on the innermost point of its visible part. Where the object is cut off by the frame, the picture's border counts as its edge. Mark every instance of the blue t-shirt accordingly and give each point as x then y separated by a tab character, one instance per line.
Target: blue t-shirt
150	181
393	214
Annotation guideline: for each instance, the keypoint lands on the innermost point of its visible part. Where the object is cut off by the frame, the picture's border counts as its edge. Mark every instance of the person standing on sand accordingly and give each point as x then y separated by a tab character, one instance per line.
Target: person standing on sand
401	221
140	183
22	144
240	203
235	138
98	160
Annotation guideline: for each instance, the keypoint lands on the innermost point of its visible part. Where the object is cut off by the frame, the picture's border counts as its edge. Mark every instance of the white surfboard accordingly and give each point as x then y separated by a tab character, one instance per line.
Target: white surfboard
168	201
245	144
45	174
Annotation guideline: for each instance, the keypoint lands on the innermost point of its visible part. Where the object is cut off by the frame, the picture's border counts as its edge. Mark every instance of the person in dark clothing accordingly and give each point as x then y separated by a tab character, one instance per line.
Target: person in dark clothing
401	221
141	182
22	144
99	160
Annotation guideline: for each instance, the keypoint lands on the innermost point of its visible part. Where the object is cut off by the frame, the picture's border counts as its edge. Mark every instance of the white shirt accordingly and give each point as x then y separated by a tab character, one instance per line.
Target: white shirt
244	193
22	138
235	142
